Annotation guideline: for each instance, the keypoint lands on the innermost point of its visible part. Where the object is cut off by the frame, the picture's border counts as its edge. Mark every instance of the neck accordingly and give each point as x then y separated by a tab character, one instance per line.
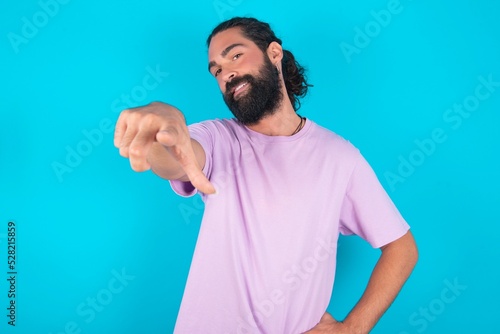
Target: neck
283	122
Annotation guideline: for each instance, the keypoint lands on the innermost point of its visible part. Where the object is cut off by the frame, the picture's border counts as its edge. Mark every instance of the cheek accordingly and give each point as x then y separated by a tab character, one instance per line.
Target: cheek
222	85
247	66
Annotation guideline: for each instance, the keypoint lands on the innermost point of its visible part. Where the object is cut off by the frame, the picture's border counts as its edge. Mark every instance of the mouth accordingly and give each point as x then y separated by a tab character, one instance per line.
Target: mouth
239	89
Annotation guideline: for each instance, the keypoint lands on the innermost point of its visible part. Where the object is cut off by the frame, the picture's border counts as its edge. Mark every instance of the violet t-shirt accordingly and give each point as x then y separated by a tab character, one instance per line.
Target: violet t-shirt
265	257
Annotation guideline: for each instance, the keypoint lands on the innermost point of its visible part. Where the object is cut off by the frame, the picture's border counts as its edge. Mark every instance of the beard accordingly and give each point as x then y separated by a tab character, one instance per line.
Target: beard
262	98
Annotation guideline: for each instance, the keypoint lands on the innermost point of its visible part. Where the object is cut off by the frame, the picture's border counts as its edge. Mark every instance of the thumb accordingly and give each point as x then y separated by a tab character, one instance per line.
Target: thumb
200	182
194	173
167	137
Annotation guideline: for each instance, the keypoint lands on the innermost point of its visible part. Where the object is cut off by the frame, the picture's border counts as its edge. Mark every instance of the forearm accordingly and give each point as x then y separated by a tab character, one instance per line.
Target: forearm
390	273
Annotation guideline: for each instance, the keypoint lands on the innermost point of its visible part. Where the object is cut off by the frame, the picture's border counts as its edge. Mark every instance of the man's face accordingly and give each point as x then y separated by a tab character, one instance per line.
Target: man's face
249	82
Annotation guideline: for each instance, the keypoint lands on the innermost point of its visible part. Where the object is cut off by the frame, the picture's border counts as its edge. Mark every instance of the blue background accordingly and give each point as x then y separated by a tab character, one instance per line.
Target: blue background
80	225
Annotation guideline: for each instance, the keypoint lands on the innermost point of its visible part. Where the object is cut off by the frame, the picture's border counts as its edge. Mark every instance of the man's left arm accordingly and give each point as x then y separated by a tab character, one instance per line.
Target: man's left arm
390	273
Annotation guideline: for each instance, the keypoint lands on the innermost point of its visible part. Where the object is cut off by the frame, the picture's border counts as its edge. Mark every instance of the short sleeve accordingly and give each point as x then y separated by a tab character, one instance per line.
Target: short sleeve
202	134
367	209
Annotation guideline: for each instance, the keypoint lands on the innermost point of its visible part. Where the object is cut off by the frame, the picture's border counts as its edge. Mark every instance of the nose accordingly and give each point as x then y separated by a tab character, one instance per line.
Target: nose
228	76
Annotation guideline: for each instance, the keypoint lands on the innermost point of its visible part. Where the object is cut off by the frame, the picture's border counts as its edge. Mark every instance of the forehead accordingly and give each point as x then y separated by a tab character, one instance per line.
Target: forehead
226	38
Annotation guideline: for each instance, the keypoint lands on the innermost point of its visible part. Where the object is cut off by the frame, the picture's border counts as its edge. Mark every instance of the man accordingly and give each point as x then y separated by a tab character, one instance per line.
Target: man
278	189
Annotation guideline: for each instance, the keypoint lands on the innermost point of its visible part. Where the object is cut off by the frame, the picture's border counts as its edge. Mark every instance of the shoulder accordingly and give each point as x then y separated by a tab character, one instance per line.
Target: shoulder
329	141
218	127
218	134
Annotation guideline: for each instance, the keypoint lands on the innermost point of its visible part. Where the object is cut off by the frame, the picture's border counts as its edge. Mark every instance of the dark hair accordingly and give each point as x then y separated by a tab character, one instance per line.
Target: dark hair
261	34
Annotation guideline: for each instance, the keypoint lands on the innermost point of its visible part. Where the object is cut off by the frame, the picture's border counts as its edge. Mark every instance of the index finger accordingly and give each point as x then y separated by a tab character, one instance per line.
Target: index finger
197	178
186	157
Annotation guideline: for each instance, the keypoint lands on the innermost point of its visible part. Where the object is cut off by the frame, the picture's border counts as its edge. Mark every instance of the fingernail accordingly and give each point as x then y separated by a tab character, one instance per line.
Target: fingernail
216	192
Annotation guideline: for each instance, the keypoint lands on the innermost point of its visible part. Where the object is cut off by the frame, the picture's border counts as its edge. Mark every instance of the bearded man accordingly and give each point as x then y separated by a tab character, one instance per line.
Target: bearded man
278	190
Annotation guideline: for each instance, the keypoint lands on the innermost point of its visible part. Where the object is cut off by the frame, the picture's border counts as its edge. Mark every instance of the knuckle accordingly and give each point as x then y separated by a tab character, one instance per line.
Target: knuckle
171	128
125	113
147	114
134	116
149	118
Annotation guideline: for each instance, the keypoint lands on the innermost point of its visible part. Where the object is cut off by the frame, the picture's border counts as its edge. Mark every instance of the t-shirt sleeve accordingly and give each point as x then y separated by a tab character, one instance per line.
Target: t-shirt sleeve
202	134
367	209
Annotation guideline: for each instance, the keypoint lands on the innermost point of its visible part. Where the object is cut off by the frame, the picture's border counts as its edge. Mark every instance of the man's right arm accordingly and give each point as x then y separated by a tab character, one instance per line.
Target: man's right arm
165	165
156	137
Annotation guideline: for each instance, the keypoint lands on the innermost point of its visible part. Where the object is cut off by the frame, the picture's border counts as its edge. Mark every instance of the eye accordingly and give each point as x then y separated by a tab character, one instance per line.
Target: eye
217	72
236	56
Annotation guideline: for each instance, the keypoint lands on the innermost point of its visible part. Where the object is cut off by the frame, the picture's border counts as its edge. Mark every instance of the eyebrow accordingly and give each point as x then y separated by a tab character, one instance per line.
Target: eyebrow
224	54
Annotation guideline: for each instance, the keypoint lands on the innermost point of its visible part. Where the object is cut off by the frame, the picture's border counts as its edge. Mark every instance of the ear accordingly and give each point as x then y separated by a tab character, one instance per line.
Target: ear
275	53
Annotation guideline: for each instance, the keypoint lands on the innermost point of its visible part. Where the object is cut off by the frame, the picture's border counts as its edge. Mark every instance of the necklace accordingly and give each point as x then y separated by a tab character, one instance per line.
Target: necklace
301	125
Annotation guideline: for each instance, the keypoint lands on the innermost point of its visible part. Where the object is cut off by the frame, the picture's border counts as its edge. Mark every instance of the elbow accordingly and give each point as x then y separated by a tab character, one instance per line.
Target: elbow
411	250
414	255
405	249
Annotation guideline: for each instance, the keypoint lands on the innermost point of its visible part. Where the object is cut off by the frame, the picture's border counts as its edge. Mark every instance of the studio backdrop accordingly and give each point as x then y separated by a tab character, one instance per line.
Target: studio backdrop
89	246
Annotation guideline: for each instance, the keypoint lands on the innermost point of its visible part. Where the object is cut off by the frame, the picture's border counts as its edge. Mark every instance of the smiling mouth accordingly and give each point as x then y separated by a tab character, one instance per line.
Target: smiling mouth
240	88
